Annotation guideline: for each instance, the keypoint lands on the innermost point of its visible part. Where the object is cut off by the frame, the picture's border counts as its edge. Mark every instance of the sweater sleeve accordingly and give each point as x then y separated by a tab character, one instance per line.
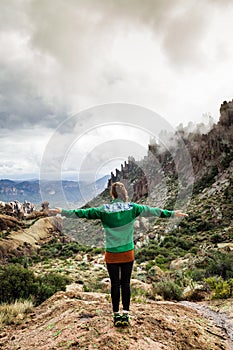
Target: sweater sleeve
146	211
90	213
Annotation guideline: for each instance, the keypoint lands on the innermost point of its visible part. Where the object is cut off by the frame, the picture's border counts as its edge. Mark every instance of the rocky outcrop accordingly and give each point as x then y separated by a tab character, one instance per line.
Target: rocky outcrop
214	148
131	173
25	240
210	153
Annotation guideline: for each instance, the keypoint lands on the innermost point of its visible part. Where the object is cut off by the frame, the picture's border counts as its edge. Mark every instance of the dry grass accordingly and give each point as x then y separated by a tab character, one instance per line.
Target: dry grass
14	313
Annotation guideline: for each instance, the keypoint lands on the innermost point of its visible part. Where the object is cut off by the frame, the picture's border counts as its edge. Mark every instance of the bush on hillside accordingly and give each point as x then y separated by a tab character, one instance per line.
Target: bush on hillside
49	284
222	289
220	264
172	241
169	290
197	275
216	238
17	282
64	250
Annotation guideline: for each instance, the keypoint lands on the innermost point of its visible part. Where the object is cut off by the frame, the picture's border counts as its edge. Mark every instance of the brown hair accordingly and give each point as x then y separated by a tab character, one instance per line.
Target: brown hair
118	190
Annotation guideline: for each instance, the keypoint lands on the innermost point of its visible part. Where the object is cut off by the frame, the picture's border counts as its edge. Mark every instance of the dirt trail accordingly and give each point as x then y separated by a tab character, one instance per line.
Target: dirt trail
219	318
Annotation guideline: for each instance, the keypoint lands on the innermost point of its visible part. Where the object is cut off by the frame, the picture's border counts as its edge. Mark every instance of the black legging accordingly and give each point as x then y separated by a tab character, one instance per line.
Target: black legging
120	275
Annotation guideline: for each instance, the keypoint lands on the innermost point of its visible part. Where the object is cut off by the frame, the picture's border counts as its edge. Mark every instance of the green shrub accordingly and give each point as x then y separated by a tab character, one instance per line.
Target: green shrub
197	275
222	289
220	264
64	250
160	260
194	250
171	242
23	260
184	244
17	282
216	238
147	253
98	250
204	226
169	290
149	264
49	284
212	281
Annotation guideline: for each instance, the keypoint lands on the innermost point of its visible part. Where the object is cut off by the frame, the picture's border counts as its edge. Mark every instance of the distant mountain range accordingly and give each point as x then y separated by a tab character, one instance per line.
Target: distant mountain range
58	193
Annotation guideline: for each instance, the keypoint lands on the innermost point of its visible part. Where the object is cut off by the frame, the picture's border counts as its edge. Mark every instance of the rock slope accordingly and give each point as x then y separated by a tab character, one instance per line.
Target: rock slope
77	320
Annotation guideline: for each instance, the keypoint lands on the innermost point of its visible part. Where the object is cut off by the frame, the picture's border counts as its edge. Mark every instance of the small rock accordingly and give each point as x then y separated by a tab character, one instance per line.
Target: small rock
155	273
78	257
151	236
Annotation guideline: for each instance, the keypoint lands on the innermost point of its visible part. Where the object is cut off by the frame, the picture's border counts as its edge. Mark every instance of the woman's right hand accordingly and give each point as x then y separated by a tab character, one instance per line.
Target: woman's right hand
55	211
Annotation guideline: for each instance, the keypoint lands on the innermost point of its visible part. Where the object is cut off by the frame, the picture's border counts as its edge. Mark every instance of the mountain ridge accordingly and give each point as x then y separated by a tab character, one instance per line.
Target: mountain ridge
55	191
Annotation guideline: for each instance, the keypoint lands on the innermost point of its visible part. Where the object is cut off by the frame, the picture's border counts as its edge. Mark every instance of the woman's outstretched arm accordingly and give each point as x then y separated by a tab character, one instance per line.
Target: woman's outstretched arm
90	213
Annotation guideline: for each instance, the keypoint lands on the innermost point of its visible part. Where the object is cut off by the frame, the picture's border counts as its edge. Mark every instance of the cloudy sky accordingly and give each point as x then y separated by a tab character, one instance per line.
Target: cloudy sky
61	57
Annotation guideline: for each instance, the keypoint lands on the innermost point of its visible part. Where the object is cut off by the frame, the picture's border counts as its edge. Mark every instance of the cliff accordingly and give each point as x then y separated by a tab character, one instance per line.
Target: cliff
210	153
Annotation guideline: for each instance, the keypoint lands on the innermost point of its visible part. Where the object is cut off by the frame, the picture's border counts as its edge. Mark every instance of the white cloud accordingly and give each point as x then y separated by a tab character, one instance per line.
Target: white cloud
21	152
59	57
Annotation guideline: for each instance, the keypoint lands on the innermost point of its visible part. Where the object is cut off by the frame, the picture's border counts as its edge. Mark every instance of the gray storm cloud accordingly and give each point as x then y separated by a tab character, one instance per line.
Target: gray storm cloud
79	29
78	33
61	49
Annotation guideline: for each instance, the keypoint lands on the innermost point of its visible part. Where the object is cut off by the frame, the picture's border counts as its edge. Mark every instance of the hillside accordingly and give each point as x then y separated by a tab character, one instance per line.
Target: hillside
27	239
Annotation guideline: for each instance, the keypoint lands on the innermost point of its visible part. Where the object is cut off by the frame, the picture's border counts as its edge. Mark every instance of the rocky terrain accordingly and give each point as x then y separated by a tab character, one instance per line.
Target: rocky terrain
77	320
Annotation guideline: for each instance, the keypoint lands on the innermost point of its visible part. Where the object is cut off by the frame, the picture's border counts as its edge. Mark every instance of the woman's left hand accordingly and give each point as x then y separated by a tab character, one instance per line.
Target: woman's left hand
179	213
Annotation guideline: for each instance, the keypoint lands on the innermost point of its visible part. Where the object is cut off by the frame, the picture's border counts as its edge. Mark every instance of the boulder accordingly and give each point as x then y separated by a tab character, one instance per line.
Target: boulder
78	257
105	284
155	273
142	286
179	263
196	292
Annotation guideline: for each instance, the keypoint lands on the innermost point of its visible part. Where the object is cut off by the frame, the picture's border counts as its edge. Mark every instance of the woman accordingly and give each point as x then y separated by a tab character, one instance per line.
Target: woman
118	221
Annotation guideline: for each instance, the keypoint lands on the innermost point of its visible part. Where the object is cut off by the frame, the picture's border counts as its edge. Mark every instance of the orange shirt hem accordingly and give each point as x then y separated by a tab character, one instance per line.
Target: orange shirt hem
116	258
